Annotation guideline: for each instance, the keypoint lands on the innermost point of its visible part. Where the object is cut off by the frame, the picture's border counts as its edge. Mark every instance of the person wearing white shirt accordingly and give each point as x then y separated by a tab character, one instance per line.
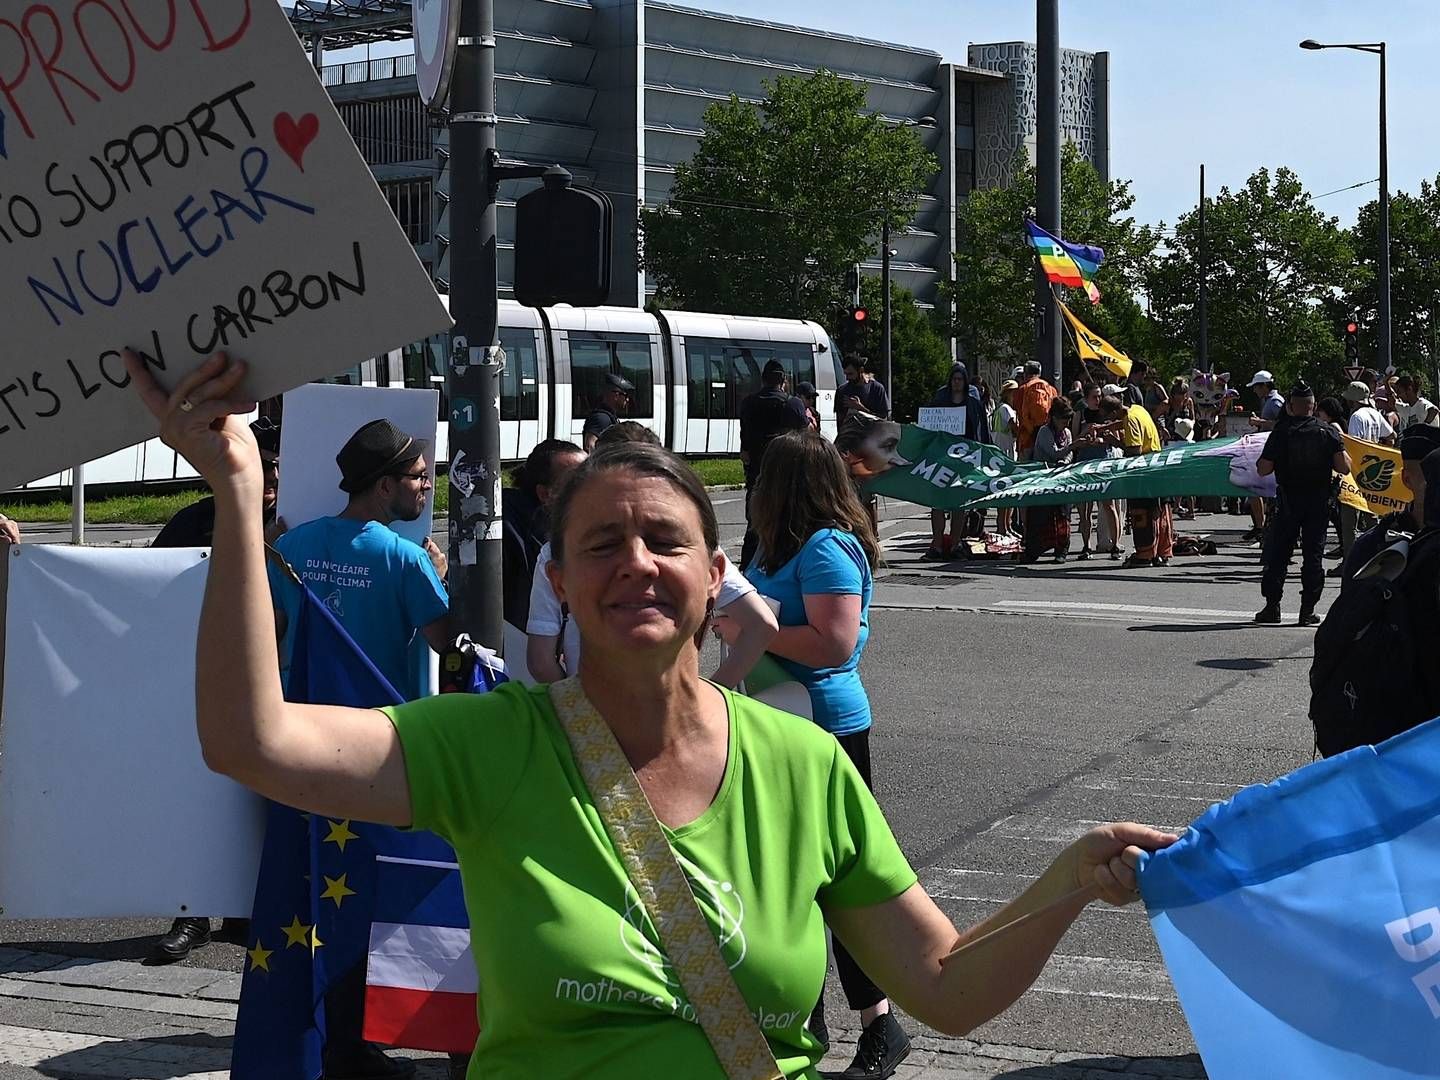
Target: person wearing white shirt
1366	421
552	649
1412	408
553	641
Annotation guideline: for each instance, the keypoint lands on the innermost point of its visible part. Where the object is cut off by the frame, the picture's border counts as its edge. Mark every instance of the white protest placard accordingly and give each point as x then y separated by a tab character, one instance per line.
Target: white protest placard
319	420
938	418
174	178
106	806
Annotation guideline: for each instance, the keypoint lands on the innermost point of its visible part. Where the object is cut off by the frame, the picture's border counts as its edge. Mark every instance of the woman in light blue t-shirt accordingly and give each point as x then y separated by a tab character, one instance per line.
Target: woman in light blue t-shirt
816	555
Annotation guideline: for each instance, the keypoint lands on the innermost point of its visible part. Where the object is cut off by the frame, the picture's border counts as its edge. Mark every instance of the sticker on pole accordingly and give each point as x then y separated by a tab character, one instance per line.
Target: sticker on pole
173	178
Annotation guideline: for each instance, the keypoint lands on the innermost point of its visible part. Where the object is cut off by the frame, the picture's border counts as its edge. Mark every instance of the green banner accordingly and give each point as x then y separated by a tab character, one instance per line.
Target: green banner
946	472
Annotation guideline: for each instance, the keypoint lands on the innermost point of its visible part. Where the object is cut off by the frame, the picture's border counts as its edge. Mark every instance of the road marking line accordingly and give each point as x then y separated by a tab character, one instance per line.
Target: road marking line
1088	976
1129	609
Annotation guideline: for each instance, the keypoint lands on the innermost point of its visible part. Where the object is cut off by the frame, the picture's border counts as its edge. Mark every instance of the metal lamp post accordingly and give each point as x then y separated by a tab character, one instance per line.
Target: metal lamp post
1377	48
885	254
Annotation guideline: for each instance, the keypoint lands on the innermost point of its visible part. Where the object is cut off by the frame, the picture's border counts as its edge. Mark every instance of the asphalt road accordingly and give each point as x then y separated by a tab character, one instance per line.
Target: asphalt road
1015	707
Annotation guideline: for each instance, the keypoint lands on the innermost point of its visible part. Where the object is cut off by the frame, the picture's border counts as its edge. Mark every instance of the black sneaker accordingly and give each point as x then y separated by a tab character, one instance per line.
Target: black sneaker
882	1047
1308	617
184	935
1269	615
365	1061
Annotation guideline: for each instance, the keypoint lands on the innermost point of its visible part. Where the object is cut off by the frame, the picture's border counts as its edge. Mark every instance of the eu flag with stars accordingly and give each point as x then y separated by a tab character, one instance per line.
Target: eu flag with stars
316	894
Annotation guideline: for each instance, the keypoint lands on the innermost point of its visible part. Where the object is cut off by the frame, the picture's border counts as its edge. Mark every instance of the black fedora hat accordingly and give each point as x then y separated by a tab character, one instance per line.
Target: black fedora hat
379	447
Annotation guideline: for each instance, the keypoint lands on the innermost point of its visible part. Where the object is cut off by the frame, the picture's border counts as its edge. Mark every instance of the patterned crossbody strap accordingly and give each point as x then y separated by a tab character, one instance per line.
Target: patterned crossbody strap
663	889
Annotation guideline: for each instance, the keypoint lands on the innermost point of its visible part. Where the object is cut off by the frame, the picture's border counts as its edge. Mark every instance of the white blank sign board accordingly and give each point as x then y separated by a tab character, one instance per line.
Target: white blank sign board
174	178
319	420
106	807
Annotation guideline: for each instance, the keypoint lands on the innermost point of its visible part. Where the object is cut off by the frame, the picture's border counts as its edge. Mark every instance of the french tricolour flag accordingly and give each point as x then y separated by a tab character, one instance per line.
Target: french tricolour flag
420	984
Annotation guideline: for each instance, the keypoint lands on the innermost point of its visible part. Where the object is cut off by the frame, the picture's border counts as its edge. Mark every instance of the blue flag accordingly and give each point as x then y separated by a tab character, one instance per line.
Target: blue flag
1300	920
316	895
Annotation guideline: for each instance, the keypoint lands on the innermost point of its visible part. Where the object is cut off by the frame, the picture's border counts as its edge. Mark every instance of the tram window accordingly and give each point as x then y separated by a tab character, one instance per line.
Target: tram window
424	363
707	366
593	356
519	383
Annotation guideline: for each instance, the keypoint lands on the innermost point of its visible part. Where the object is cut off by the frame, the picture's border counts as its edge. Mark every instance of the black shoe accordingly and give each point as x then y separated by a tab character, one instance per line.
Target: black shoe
1335	553
882	1047
365	1061
233	931
816	1024
184	935
1269	615
1308	617
1251	536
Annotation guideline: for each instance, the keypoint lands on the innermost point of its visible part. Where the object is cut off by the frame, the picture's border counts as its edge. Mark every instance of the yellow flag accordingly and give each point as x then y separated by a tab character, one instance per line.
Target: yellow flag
1093	347
1374	484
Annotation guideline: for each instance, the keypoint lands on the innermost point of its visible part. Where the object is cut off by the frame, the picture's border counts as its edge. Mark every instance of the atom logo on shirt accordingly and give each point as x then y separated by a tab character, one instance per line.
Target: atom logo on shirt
723	909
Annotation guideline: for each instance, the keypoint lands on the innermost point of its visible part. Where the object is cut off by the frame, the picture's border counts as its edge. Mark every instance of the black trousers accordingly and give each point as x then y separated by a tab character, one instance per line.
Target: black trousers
751	542
1305	520
860	992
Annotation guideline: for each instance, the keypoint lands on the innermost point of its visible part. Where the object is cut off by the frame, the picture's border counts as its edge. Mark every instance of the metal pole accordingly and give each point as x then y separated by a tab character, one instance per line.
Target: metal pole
1384	361
1047	174
1202	355
77	505
885	309
472	377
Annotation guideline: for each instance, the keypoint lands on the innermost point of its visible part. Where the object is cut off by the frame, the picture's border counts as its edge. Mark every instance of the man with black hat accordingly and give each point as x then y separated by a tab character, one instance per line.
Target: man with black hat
194	526
1301	453
614	403
764	415
385	591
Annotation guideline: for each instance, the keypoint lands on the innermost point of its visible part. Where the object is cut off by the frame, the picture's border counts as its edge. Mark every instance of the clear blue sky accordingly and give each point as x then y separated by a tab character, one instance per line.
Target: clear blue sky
1222	82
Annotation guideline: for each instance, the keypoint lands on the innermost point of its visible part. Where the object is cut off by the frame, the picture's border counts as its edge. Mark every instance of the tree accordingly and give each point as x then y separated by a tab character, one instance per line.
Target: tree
782	198
992	300
1276	267
919	353
1414	280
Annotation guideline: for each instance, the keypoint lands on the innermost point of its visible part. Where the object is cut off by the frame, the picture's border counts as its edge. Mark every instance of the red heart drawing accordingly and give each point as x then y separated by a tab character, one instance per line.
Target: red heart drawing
294	137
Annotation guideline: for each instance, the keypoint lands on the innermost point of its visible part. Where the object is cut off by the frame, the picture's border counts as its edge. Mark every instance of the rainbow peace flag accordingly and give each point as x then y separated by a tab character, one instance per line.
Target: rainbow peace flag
1067	264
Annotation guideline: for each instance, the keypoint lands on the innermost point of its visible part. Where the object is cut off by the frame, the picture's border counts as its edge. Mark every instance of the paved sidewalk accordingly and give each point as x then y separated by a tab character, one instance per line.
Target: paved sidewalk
65	1017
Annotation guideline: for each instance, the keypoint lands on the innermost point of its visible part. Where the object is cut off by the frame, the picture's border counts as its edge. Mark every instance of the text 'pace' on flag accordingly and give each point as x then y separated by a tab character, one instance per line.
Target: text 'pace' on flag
319	886
1092	346
1300	921
1072	265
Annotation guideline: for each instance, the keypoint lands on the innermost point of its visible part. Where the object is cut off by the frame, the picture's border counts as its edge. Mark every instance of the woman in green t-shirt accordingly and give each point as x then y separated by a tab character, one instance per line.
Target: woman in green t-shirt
771	823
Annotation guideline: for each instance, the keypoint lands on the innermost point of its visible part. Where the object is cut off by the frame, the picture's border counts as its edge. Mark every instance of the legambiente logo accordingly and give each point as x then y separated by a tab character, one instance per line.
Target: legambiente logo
722	906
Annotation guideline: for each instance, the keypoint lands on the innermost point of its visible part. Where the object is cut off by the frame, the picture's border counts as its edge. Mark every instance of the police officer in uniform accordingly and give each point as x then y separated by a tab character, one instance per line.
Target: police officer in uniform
614	403
764	416
1301	453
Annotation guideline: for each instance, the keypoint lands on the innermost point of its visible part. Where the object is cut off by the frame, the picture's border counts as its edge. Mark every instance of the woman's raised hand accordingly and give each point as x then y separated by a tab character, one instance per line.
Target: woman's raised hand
1106	857
201	419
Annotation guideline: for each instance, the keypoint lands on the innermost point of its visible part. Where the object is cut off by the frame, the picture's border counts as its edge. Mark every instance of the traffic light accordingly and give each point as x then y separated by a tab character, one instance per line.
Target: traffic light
852	285
1352	344
852	331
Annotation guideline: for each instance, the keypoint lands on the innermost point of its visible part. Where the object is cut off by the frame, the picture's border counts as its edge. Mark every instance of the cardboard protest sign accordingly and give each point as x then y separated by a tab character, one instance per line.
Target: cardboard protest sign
99	705
938	418
173	178
319	420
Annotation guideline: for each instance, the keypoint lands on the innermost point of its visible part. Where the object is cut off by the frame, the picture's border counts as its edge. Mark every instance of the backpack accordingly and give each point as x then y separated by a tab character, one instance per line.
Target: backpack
1374	673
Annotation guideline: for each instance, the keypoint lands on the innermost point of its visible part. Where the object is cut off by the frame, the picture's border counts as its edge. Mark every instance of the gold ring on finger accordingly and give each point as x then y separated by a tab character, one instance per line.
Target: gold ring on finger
186	405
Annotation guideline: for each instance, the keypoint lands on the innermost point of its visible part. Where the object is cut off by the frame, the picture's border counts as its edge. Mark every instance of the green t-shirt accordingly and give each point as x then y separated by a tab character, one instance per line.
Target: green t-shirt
572	980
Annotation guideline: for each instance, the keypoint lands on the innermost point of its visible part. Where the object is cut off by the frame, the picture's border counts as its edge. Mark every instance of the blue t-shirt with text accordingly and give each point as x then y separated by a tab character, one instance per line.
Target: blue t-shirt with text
381	587
833	563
